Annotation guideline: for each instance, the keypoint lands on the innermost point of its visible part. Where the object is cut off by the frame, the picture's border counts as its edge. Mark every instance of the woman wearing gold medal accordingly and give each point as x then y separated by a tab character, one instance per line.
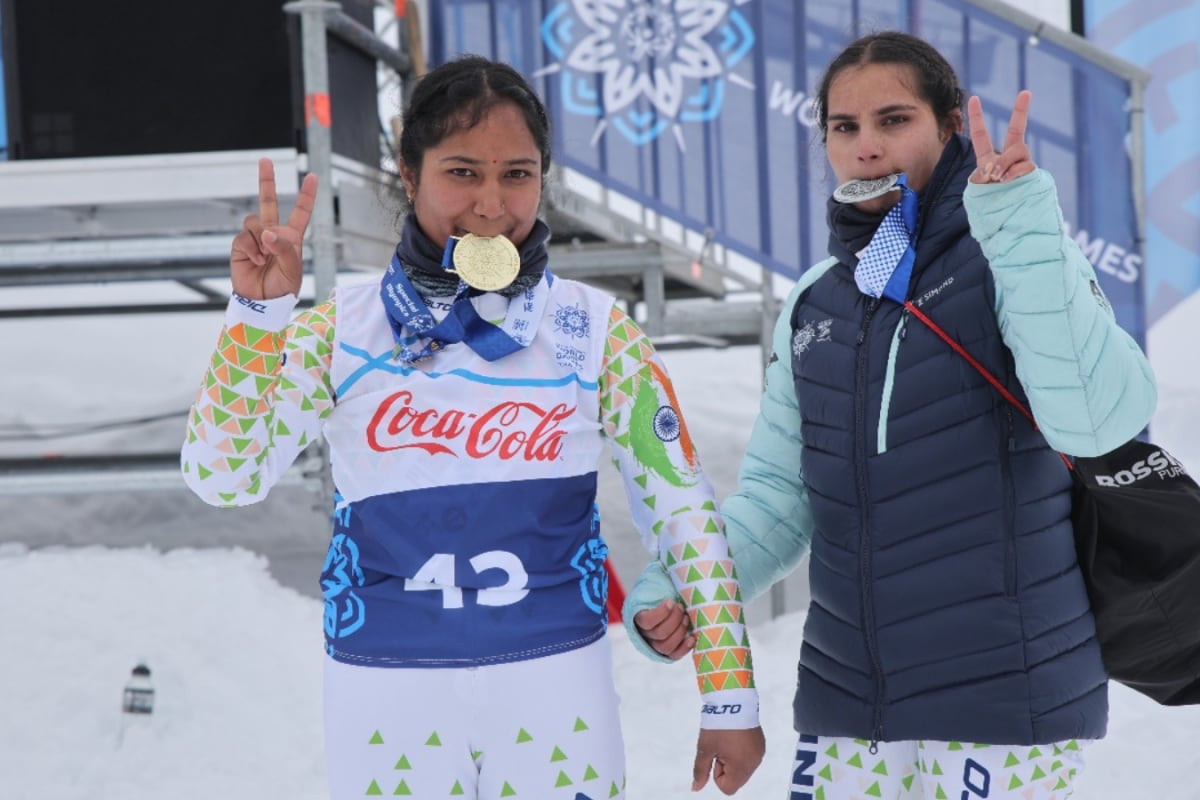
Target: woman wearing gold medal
466	399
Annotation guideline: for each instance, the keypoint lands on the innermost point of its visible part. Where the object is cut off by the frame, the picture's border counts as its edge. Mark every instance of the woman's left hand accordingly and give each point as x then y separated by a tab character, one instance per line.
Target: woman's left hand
730	756
1014	160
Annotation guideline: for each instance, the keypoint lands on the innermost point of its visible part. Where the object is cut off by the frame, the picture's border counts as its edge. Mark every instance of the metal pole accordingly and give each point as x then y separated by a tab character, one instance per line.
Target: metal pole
359	36
1137	159
319	138
654	294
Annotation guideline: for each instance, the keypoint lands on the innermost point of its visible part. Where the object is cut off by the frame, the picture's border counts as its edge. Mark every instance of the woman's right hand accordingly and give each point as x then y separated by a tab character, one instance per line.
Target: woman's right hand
666	628
1015	160
267	258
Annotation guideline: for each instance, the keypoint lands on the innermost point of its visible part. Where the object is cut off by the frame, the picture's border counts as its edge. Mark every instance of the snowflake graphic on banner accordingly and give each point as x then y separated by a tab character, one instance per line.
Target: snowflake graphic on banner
646	66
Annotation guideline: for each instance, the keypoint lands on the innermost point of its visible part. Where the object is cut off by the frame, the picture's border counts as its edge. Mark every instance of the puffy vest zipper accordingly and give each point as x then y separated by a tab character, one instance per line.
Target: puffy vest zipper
864	552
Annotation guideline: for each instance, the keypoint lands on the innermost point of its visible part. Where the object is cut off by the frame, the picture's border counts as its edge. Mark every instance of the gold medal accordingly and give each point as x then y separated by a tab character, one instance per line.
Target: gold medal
486	263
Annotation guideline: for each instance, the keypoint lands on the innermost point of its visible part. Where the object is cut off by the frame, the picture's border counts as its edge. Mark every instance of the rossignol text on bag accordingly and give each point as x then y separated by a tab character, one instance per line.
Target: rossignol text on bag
1136	513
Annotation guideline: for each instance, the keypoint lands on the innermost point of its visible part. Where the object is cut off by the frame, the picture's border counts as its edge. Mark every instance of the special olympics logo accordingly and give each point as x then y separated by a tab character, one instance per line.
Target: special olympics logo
675	54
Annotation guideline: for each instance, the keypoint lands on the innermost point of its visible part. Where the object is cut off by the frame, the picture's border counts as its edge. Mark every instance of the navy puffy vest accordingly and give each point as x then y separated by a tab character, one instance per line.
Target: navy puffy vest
946	599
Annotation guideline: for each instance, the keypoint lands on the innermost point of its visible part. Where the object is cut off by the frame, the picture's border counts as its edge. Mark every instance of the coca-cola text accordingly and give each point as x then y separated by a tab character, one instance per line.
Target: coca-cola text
506	430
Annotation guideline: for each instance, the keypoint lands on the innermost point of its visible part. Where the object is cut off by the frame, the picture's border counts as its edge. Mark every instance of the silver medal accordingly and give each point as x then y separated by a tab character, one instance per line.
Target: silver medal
856	191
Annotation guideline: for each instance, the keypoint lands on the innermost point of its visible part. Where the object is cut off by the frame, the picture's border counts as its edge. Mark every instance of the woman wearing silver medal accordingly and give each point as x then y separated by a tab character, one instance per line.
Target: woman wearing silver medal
949	649
466	399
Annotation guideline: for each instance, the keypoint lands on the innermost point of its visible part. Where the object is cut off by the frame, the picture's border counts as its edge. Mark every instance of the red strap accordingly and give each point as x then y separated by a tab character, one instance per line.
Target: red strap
616	594
989	377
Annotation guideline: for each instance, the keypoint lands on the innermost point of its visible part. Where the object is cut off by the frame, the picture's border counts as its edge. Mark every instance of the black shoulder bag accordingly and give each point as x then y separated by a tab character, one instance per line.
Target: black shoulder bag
1136	516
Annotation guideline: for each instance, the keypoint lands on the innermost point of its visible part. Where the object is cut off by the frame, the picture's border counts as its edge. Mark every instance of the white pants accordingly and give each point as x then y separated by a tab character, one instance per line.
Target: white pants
831	768
543	728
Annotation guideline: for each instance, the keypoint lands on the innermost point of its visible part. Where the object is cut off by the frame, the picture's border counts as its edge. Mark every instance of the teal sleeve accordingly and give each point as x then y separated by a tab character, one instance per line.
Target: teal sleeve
1089	385
767	520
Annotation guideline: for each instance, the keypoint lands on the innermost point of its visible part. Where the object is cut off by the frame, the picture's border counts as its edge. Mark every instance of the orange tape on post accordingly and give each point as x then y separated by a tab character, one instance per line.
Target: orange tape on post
401	8
316	106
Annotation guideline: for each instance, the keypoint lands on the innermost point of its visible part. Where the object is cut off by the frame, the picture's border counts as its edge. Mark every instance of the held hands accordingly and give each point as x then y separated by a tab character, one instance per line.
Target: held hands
1014	160
667	629
730	755
266	260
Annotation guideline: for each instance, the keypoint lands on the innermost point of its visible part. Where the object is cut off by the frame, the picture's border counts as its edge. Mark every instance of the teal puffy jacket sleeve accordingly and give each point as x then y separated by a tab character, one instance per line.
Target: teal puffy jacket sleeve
767	520
1089	385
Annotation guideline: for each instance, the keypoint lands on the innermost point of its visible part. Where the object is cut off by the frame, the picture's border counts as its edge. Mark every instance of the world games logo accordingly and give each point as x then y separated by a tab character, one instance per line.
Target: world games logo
646	67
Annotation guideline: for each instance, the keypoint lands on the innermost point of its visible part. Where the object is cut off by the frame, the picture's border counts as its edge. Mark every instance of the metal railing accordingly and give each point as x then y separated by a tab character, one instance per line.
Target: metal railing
71	255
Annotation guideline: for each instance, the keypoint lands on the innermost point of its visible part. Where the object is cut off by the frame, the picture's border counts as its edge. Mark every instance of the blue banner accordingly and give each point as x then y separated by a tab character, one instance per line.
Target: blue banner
700	111
1163	36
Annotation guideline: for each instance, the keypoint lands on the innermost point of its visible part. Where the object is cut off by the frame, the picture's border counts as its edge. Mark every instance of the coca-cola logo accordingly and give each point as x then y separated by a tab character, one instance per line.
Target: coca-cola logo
506	430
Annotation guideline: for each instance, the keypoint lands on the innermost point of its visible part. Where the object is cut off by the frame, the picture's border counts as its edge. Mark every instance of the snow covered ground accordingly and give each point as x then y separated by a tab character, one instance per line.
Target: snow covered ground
236	665
236	657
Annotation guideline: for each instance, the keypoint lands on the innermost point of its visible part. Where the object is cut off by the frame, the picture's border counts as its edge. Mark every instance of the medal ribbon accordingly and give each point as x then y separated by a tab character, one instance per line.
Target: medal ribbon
885	266
418	337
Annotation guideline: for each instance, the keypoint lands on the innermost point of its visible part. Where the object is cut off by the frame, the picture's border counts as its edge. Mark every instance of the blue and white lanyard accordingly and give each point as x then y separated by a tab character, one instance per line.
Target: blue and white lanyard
885	266
413	324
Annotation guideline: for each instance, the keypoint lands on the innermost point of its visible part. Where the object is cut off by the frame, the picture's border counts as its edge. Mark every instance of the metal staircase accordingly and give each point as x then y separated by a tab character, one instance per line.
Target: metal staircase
168	219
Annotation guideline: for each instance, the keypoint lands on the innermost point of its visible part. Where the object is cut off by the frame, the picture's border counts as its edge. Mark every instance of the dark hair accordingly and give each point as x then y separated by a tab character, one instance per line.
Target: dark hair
937	84
457	95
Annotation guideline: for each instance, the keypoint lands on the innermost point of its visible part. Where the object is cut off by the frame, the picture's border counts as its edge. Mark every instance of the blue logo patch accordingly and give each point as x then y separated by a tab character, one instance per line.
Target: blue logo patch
345	611
589	561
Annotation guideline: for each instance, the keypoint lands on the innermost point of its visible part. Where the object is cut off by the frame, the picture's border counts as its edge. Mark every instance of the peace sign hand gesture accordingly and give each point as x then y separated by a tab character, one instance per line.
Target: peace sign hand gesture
1014	160
266	260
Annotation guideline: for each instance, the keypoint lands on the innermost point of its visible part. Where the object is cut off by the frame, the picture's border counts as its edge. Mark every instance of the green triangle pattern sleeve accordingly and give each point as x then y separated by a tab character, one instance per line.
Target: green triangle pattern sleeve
675	511
260	404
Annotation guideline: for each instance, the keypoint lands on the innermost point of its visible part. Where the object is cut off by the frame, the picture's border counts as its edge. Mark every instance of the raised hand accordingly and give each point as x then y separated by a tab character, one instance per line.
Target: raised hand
266	261
730	755
1011	162
666	628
